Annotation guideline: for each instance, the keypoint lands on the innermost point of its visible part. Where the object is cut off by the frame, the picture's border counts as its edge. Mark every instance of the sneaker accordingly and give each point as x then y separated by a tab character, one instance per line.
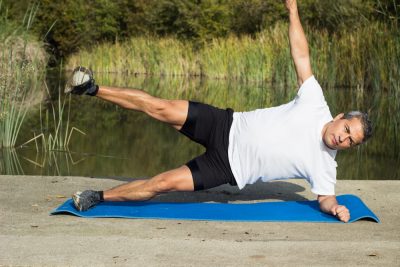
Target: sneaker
86	199
81	82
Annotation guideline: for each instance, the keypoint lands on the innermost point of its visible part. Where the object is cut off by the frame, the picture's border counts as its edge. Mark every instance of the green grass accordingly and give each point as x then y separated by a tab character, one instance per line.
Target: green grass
22	65
367	57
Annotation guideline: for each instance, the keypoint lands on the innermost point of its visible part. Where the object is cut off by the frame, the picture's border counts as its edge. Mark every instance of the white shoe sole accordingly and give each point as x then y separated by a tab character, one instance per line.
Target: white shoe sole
76	198
80	76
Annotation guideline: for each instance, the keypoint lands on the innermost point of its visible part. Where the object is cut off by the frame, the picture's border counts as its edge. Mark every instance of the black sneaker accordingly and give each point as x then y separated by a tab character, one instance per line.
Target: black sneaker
81	82
86	199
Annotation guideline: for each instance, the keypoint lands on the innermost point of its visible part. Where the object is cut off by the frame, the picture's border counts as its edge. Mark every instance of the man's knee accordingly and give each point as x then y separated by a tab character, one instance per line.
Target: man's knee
159	108
163	184
155	106
170	111
176	180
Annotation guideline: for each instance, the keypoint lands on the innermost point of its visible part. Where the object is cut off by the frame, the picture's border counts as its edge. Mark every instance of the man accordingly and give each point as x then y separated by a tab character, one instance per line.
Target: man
297	139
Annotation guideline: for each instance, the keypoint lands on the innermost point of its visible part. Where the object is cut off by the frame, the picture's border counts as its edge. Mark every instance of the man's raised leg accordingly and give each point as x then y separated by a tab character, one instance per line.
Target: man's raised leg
179	179
173	112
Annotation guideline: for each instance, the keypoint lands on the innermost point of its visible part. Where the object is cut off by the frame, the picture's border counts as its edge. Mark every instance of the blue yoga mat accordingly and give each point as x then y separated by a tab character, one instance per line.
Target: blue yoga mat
288	211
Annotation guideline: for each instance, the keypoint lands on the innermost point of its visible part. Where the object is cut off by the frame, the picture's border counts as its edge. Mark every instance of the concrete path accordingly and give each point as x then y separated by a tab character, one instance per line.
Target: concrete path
30	237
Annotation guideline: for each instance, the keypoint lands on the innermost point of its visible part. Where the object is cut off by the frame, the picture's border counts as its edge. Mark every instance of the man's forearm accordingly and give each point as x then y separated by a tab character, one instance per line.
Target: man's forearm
298	43
297	38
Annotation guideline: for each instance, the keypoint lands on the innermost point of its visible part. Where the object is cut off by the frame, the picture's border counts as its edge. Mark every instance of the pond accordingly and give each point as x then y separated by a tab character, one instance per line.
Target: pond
126	144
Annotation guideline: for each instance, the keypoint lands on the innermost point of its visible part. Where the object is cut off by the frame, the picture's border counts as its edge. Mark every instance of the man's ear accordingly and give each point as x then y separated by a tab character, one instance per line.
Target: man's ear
338	116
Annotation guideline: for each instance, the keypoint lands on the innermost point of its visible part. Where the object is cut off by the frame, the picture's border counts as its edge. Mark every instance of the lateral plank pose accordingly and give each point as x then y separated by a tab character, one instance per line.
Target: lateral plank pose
297	139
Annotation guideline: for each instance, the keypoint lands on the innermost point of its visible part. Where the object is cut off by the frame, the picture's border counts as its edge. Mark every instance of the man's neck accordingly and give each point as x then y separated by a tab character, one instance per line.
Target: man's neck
323	134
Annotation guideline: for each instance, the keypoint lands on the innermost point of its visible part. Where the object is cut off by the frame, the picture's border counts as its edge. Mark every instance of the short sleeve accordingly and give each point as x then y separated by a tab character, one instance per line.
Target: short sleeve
310	93
324	183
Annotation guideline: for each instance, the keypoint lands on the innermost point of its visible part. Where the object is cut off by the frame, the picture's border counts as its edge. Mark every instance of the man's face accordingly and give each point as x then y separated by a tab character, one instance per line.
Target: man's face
342	133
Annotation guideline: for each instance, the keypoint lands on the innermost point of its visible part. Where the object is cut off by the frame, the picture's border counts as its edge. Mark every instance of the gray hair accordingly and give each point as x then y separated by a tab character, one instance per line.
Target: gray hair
365	122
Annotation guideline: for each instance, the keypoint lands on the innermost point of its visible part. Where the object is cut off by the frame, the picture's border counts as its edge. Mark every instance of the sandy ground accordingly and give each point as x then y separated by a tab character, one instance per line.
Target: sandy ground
29	236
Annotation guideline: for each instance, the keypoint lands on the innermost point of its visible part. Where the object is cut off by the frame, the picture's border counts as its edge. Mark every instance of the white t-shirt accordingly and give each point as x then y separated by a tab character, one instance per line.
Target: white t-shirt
285	142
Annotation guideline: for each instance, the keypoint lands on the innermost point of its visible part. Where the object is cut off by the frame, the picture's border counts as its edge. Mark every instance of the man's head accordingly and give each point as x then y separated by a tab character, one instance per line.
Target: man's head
347	130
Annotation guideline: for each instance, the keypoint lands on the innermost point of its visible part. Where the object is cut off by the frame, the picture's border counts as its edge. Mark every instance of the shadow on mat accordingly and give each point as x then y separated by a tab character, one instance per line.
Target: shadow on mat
278	190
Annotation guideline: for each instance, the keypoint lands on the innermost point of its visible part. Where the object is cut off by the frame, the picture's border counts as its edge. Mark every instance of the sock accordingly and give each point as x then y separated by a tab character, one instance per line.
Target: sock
101	194
93	90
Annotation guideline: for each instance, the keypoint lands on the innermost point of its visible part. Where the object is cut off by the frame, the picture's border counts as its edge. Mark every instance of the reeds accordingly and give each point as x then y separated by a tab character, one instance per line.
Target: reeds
141	56
366	57
55	129
22	65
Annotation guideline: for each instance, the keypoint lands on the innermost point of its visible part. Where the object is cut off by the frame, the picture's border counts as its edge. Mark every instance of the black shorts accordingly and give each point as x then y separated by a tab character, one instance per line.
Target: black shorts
209	126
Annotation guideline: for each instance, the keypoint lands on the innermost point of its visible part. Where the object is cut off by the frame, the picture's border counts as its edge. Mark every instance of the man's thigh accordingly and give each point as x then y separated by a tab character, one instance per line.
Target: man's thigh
210	170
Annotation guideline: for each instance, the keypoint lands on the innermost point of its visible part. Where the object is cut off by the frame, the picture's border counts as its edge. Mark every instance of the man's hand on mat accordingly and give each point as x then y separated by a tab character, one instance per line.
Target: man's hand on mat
329	204
341	212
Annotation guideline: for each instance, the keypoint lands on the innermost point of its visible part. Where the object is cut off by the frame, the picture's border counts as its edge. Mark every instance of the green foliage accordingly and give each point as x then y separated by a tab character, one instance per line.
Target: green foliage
189	19
77	24
250	17
80	24
387	11
104	17
335	16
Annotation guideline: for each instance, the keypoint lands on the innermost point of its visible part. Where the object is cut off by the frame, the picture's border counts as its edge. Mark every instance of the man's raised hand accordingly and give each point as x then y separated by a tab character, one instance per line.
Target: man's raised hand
291	4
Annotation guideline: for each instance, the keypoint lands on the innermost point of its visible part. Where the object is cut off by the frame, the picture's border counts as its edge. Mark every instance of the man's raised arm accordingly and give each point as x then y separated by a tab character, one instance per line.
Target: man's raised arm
298	44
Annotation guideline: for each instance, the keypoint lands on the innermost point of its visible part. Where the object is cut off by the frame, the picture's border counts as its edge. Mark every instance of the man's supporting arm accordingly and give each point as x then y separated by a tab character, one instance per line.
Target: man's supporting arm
329	204
298	44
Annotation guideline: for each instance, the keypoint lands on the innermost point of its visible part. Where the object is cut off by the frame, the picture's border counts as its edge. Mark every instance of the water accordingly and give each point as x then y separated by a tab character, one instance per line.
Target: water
121	143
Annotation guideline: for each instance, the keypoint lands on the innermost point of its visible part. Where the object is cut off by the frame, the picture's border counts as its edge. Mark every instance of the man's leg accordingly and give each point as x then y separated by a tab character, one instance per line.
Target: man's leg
179	179
173	112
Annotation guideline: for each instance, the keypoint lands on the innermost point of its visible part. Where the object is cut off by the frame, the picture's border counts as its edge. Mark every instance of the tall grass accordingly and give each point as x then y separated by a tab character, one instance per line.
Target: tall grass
22	65
55	129
366	57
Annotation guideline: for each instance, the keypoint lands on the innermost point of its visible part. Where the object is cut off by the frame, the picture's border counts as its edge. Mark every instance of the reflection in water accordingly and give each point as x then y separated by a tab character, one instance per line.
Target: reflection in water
9	162
122	143
38	162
